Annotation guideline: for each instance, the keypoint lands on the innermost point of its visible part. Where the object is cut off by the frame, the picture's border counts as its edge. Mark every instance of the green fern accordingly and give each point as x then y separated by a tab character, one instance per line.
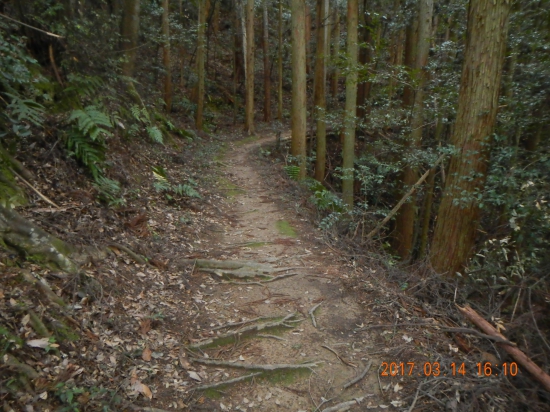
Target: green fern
91	121
90	153
21	110
109	190
155	134
292	171
186	190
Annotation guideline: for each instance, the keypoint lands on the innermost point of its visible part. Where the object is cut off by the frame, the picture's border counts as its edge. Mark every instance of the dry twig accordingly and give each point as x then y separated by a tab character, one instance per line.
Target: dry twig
358	378
227	382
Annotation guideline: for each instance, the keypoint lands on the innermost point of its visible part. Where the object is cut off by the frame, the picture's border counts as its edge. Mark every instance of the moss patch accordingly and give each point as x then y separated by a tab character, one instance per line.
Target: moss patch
255	244
247	140
222	151
285	228
230	190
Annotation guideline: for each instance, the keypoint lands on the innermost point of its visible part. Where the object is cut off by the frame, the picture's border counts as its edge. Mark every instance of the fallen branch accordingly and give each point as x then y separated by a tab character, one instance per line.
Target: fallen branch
345	362
358	378
517	354
404	199
470	331
344	406
43	197
227	382
250	366
311	313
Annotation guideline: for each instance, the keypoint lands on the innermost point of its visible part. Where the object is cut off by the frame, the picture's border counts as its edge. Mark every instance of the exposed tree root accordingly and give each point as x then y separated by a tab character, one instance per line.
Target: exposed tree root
312	314
344	406
248	330
227	382
12	362
240	269
250	366
128	251
43	287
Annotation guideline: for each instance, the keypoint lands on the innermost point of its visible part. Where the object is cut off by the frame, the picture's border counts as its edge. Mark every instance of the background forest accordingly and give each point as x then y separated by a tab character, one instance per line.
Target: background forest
417	131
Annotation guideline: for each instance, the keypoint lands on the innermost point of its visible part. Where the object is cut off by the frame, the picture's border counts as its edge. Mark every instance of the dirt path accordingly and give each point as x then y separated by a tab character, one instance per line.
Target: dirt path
268	231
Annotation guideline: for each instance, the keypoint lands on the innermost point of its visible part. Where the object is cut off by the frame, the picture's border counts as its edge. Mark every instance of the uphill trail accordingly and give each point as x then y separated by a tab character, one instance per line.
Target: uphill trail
275	313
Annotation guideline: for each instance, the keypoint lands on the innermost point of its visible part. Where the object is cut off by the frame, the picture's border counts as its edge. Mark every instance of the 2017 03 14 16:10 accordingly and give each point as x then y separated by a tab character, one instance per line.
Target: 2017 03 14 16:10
454	369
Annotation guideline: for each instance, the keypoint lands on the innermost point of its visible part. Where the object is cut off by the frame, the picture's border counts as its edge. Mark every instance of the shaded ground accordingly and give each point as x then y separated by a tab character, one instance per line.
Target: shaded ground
139	326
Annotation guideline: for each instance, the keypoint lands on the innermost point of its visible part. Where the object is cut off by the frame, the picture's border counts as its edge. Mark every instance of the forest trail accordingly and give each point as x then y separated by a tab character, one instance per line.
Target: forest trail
267	231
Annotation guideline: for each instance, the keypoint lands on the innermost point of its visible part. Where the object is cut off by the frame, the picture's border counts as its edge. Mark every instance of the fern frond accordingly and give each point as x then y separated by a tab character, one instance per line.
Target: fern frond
91	121
25	110
292	171
186	190
155	134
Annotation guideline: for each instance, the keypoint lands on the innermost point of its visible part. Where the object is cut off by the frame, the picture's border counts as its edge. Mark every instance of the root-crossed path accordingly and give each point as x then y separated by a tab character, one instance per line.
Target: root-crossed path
285	341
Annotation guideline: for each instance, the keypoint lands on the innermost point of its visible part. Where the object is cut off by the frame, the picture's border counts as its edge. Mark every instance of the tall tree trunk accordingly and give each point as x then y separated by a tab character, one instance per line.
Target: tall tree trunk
235	59
130	33
249	109
299	100
166	55
348	151
201	43
280	65
267	76
458	216
319	98
336	50
405	221
411	41
308	39
363	88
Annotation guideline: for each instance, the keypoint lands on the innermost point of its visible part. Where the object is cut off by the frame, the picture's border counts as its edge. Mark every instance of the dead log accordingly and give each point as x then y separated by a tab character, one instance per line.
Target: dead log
517	354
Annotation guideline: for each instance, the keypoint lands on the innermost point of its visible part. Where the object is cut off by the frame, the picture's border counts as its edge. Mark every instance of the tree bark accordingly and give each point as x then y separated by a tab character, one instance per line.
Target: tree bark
336	51
348	151
166	55
249	69
299	101
319	98
363	88
267	76
130	33
199	118
458	217
405	221
280	65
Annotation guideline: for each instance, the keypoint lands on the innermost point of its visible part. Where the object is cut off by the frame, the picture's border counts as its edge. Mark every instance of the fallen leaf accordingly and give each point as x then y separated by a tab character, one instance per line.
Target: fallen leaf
146	354
39	343
397	387
144	326
194	375
143	389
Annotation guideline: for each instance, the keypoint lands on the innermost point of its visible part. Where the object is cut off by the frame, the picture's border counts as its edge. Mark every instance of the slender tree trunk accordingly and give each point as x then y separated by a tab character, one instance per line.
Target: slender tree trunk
336	51
267	76
308	39
299	100
199	119
405	221
235	59
130	33
280	65
166	55
348	151
458	216
249	109
363	88
411	41
319	97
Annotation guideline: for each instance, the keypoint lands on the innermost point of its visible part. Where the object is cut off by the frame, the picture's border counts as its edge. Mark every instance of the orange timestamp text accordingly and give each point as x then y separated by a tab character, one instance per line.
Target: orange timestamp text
454	369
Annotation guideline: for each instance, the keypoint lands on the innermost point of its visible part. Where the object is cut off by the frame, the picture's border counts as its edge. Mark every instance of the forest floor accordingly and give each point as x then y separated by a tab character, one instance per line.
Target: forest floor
302	319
